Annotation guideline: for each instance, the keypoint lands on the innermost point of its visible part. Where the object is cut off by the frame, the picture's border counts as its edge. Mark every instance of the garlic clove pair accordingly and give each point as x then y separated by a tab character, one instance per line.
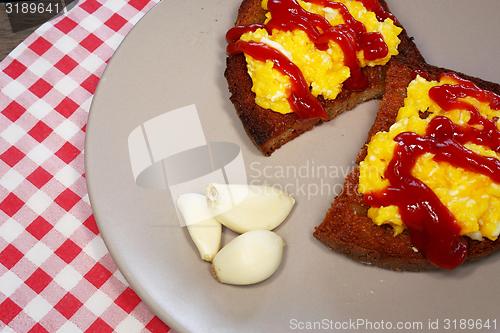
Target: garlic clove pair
204	229
244	208
249	258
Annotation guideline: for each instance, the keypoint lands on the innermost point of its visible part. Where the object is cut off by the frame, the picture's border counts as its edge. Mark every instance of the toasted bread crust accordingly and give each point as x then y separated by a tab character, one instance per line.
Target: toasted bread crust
347	229
270	130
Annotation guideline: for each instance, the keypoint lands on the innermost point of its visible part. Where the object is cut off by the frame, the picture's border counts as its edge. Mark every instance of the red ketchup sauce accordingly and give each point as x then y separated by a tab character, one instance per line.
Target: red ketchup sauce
288	15
433	228
301	100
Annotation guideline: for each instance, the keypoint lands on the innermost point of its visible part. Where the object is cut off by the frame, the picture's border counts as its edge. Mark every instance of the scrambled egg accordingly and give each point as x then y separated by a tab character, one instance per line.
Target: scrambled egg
323	70
473	199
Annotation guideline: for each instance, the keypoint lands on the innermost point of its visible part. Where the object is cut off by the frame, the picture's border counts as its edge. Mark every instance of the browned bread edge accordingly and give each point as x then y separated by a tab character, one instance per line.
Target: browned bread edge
270	130
348	230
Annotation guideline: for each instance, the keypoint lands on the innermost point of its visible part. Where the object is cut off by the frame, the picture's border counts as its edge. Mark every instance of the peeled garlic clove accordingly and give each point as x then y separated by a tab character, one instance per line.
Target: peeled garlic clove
243	208
249	258
203	228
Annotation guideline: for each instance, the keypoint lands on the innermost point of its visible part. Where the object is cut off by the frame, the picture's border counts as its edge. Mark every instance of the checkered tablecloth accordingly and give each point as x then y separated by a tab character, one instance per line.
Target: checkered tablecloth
55	272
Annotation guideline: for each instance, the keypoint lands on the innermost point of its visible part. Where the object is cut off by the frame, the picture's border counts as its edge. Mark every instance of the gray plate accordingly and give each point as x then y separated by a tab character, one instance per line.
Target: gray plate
175	57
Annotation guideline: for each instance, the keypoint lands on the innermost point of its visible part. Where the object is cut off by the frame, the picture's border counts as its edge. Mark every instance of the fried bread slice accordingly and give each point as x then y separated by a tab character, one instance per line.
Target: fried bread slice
270	130
346	227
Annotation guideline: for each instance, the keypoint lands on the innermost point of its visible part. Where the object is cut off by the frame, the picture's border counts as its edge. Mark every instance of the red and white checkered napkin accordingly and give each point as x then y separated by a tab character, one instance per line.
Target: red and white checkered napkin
55	272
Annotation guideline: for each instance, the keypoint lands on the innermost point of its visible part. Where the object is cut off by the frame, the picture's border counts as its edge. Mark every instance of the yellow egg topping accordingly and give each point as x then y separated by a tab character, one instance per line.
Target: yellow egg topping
324	71
474	199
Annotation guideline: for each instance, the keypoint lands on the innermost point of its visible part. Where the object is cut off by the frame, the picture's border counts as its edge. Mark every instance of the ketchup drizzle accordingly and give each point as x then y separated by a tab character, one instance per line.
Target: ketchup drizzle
288	15
433	228
301	99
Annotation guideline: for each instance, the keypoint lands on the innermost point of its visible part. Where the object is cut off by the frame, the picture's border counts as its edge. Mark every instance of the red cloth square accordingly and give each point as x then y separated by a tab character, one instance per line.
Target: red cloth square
99	326
68	152
40	131
13	111
37	328
14	69
66	64
128	300
39	227
9	311
91	42
66	25
157	326
67	199
90	6
68	251
90	83
116	22
40	88
138	4
91	225
68	305
66	107
39	177
40	45
98	275
12	156
10	256
38	281
11	204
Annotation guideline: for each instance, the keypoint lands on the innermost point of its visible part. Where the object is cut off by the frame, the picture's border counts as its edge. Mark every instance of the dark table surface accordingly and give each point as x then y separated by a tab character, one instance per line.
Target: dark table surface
9	39
14	29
